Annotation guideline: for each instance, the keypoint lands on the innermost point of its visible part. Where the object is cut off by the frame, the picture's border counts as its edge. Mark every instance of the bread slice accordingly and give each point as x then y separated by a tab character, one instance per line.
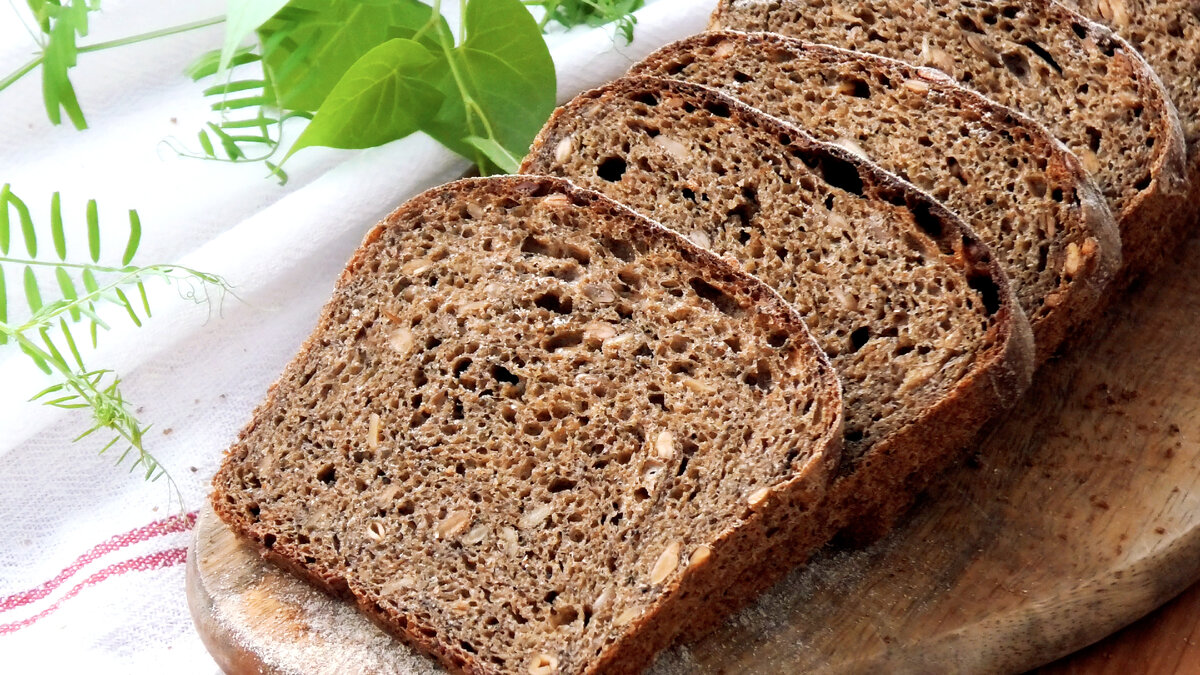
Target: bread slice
1022	191
532	429
915	314
1167	32
1089	87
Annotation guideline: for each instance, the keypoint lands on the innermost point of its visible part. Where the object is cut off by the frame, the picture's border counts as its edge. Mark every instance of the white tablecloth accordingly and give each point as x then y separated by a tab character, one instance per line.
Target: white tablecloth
91	573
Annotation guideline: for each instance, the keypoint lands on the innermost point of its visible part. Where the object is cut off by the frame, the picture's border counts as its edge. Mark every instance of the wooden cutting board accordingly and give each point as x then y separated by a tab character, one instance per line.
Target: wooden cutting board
1078	514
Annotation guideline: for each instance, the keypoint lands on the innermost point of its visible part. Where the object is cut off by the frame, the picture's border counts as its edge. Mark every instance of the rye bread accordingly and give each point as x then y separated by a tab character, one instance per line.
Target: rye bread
1020	189
915	314
1167	32
1086	85
532	429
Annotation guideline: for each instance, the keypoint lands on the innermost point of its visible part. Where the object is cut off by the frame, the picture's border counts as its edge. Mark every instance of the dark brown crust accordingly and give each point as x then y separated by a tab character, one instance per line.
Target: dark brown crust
874	491
1080	297
1152	221
733	551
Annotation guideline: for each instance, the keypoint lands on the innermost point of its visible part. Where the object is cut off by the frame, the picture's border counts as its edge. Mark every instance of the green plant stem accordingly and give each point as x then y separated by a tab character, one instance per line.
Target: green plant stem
78	266
43	318
120	42
20	72
143	37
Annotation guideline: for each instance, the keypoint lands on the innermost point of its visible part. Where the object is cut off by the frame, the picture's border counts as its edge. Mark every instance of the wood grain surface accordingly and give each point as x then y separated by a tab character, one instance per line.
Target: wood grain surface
1075	516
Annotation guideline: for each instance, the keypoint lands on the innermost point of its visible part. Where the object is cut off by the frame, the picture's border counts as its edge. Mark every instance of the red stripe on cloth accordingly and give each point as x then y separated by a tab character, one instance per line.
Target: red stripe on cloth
158	528
144	563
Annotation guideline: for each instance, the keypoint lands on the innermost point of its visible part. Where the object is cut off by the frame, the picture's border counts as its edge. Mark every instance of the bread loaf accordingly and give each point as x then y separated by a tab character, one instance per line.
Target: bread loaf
1085	84
917	317
532	429
1017	187
1167	32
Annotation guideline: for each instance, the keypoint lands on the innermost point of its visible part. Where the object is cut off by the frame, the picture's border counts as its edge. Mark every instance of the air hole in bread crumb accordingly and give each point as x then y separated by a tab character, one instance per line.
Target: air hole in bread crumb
647	98
856	87
859	338
841	174
612	169
987	289
563	340
554	303
721	300
1043	55
327	474
560	484
718	108
504	375
1016	64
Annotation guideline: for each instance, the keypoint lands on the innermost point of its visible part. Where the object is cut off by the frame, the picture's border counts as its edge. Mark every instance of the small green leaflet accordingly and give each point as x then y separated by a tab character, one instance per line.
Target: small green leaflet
243	17
376	101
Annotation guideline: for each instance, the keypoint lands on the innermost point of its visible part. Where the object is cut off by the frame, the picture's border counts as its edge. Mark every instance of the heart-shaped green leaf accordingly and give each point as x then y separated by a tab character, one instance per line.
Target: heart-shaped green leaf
378	100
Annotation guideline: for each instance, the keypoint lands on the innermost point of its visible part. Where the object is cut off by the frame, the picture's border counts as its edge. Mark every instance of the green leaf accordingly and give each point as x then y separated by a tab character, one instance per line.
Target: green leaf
93	225
505	160
135	237
311	44
377	101
52	348
66	331
27	230
232	87
243	17
56	226
89	281
228	144
37	358
4	223
137	321
33	294
67	286
506	70
206	143
207	64
145	300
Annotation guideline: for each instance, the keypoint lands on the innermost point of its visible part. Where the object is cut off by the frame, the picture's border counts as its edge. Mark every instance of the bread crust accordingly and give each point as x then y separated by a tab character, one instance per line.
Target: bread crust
738	547
1150	221
1075	299
869	494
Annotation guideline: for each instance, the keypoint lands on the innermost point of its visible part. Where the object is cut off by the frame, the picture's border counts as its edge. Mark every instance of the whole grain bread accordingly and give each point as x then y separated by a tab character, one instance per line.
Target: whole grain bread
532	430
917	317
1021	190
1086	85
1167	32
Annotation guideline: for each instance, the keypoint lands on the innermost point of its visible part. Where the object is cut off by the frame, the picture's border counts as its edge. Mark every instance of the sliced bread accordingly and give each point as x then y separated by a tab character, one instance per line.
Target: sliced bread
1167	32
917	317
1021	190
1086	85
532	429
